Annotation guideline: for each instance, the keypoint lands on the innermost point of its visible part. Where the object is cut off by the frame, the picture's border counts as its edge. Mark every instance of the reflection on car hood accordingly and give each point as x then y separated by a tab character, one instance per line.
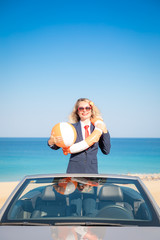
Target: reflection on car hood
77	233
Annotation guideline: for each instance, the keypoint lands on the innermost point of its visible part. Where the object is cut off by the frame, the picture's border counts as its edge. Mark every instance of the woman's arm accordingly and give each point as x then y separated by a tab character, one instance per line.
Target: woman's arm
52	142
104	143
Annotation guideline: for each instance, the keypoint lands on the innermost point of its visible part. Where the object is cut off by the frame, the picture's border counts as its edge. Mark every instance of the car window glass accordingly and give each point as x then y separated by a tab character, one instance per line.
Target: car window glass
97	199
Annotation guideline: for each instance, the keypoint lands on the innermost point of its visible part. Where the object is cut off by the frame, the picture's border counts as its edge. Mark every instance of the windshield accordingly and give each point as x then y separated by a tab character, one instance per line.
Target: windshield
71	199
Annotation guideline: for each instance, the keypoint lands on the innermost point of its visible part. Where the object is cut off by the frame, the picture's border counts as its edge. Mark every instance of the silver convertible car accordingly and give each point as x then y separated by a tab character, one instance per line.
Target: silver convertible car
80	206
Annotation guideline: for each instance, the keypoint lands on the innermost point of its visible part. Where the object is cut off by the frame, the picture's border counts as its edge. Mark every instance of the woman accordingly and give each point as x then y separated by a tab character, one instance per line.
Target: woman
85	161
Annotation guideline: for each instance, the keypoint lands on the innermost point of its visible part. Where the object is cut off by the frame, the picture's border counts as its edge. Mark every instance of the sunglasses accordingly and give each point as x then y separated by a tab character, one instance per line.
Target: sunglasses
80	109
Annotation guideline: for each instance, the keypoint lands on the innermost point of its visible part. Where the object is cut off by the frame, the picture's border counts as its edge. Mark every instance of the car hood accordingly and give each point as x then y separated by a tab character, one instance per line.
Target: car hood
76	233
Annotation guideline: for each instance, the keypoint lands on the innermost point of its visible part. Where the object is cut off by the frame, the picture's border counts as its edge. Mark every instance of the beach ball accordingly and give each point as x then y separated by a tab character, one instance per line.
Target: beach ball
67	132
66	186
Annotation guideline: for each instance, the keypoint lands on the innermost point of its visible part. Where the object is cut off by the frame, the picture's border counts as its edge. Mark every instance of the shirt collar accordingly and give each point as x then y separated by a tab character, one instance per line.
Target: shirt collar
82	124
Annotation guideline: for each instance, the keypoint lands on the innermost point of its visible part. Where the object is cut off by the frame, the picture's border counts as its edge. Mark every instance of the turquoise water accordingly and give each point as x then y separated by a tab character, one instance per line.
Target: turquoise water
23	156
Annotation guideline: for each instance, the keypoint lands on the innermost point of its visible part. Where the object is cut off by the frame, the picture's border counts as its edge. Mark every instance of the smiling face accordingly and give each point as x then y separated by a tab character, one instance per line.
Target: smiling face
84	111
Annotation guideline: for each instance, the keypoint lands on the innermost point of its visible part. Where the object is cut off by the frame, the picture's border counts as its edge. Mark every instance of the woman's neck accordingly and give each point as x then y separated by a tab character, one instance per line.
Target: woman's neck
86	121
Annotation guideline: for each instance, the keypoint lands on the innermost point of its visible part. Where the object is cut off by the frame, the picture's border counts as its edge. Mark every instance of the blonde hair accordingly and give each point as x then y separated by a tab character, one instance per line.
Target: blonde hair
74	117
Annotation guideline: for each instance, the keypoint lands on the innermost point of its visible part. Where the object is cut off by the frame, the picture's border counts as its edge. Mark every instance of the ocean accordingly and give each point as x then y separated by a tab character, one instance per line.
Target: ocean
25	156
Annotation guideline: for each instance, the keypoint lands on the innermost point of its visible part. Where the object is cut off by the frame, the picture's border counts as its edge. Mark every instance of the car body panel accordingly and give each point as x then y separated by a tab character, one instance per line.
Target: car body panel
73	233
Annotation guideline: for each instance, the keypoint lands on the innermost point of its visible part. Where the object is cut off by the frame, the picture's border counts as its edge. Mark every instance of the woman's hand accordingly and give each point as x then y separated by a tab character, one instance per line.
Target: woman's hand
54	140
102	126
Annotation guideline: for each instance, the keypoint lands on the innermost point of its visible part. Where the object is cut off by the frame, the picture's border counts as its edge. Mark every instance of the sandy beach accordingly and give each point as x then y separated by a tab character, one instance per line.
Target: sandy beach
152	182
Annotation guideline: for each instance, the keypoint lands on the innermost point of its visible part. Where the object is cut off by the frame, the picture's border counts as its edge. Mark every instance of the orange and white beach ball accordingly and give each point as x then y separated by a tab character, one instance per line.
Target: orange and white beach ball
67	132
66	186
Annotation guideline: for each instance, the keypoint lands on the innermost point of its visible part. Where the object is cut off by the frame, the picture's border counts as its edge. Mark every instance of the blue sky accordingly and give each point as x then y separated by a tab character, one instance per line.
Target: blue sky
53	52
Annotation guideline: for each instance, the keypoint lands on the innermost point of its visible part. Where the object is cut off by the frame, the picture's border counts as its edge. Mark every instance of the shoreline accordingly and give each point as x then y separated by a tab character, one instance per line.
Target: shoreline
151	181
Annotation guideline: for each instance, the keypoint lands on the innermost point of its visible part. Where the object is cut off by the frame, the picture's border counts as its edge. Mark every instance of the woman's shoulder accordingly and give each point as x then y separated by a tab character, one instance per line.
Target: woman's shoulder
75	124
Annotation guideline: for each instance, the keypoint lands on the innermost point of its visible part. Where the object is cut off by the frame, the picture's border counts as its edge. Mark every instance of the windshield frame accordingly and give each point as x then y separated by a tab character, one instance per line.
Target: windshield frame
88	221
